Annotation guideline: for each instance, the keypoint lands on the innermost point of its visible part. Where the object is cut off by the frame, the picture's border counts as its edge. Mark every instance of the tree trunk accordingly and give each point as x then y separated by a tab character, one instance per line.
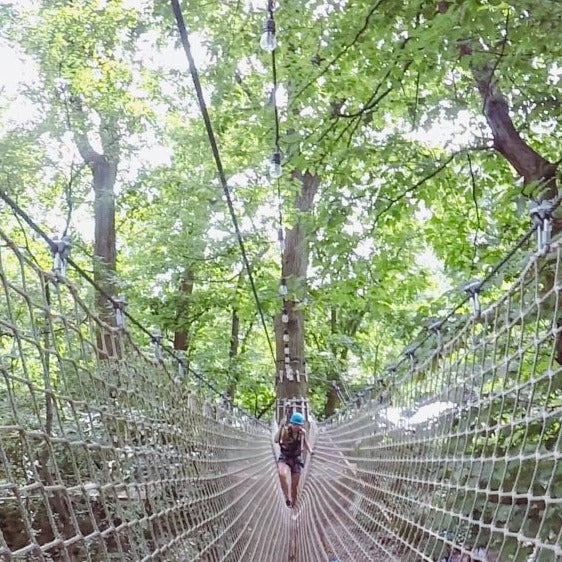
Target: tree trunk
332	398
531	166
105	253
348	328
181	334
104	172
291	376
233	372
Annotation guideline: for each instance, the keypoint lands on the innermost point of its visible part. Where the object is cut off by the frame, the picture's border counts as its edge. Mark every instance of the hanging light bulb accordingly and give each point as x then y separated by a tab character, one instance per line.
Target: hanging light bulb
275	169
283	288
268	41
285	317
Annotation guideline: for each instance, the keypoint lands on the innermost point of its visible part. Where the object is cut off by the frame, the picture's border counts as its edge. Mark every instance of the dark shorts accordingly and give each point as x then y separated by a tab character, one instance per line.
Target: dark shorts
294	463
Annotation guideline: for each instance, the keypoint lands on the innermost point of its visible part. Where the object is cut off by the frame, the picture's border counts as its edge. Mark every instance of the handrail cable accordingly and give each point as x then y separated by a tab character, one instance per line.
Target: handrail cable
50	242
554	204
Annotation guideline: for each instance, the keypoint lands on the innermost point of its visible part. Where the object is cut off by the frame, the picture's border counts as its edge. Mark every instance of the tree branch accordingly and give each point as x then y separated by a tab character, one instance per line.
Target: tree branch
426	178
73	108
345	48
530	165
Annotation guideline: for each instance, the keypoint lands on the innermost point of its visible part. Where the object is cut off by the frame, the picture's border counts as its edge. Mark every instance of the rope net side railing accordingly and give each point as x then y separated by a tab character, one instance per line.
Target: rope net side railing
458	457
105	454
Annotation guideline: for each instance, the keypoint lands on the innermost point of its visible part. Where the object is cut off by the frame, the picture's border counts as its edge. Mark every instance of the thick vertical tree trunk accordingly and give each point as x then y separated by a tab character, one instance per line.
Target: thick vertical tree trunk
104	173
291	378
105	254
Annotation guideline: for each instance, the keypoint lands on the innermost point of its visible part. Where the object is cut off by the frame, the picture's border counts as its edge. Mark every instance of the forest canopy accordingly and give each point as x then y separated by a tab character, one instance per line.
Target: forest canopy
412	138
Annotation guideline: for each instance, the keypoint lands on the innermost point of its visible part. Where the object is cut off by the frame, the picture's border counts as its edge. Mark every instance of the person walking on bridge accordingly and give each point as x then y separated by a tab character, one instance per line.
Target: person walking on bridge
292	440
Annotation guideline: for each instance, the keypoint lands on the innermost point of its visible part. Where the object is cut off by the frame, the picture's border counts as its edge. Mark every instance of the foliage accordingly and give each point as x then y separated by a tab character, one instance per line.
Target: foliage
371	91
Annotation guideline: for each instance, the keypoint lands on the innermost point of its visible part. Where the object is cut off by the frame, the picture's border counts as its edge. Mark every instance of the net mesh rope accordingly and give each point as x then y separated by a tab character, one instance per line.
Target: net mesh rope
457	456
106	454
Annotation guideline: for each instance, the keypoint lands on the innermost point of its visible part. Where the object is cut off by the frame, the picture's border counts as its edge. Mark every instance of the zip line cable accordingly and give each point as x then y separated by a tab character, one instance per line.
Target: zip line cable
52	245
214	147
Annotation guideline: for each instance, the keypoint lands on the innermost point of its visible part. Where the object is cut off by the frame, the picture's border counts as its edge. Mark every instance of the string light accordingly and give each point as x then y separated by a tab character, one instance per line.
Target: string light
268	42
275	169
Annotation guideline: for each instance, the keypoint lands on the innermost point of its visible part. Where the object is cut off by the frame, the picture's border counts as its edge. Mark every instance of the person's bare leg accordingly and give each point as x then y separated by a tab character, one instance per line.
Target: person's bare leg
294	485
284	475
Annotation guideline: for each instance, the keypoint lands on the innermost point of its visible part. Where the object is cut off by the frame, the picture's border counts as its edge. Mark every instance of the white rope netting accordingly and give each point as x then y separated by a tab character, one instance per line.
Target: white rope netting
105	454
457	455
108	454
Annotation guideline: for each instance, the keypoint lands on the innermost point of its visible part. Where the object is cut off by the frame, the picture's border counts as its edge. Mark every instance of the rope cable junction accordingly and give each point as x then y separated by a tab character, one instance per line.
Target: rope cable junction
117	304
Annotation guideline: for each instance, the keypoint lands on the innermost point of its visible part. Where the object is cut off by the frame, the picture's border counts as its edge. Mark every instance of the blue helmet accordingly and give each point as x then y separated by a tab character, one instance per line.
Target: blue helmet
297	419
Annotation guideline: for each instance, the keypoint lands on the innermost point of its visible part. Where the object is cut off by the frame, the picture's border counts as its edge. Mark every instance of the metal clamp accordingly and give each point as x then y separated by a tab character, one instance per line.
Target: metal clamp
435	328
541	218
156	337
472	289
61	252
410	353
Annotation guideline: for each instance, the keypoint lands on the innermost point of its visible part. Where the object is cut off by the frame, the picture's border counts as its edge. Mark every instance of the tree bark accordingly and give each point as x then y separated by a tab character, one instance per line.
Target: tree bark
332	398
292	383
348	328
233	371
233	374
535	170
181	334
104	173
531	166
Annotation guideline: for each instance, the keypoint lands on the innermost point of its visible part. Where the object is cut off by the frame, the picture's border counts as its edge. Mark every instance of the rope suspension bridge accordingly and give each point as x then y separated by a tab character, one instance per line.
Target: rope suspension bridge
114	453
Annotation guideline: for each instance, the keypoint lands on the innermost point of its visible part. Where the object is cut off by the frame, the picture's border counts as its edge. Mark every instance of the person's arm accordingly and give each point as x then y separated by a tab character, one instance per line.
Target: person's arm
307	444
277	437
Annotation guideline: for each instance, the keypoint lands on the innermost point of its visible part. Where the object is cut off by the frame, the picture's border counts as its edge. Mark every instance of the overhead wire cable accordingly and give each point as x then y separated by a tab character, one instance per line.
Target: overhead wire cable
281	227
218	162
88	278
